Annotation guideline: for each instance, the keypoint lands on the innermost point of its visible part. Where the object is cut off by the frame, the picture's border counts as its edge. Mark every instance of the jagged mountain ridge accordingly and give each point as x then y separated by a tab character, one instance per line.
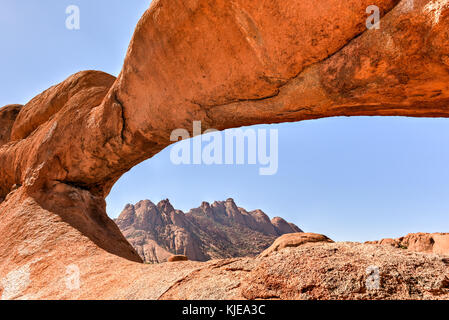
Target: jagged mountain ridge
211	231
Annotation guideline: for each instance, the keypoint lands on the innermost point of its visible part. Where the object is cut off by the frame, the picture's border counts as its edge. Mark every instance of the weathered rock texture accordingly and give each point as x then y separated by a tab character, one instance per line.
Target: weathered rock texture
226	63
320	271
217	231
437	243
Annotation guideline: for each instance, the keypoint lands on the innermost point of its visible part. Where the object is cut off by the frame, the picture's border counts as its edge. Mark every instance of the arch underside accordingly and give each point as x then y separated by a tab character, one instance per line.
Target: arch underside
225	63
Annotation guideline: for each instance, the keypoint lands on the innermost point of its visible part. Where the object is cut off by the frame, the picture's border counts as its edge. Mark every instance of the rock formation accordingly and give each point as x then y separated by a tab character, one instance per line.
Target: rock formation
437	243
227	64
217	231
292	240
321	270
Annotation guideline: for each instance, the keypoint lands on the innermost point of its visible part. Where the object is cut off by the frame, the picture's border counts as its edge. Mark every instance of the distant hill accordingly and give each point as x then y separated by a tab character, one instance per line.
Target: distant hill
220	230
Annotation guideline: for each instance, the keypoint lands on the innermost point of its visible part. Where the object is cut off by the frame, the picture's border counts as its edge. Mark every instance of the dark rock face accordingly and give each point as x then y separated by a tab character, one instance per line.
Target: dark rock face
8	115
220	230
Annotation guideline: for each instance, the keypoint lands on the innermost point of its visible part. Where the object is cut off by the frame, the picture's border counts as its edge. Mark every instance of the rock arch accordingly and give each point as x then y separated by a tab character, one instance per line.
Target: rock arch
226	63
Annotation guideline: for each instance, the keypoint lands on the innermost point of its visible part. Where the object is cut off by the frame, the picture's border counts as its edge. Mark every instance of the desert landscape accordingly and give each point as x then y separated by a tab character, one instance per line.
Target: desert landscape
227	64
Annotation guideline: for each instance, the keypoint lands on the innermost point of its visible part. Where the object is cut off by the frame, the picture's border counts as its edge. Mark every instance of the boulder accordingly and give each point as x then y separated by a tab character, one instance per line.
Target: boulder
390	242
294	240
427	242
437	243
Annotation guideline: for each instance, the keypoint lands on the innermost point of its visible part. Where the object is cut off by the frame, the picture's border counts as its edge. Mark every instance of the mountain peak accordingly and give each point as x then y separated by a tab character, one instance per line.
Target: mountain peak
283	226
205	205
165	206
143	203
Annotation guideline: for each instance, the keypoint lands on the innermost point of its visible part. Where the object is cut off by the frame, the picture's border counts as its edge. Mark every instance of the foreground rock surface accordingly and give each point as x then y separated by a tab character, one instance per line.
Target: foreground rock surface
50	259
212	231
320	271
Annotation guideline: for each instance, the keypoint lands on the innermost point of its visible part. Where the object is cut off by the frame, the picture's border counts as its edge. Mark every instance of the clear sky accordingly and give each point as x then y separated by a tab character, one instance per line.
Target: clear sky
352	179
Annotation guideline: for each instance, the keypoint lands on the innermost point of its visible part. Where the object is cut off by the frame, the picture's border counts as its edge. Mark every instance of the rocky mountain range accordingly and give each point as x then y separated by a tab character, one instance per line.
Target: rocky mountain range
211	231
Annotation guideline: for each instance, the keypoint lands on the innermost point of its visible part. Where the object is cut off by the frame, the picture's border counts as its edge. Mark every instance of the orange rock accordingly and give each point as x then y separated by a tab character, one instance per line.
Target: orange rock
226	63
38	164
437	243
427	242
390	242
441	243
294	240
42	107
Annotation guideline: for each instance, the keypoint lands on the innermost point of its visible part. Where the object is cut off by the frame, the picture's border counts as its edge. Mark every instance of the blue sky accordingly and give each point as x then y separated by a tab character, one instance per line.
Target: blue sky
352	179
